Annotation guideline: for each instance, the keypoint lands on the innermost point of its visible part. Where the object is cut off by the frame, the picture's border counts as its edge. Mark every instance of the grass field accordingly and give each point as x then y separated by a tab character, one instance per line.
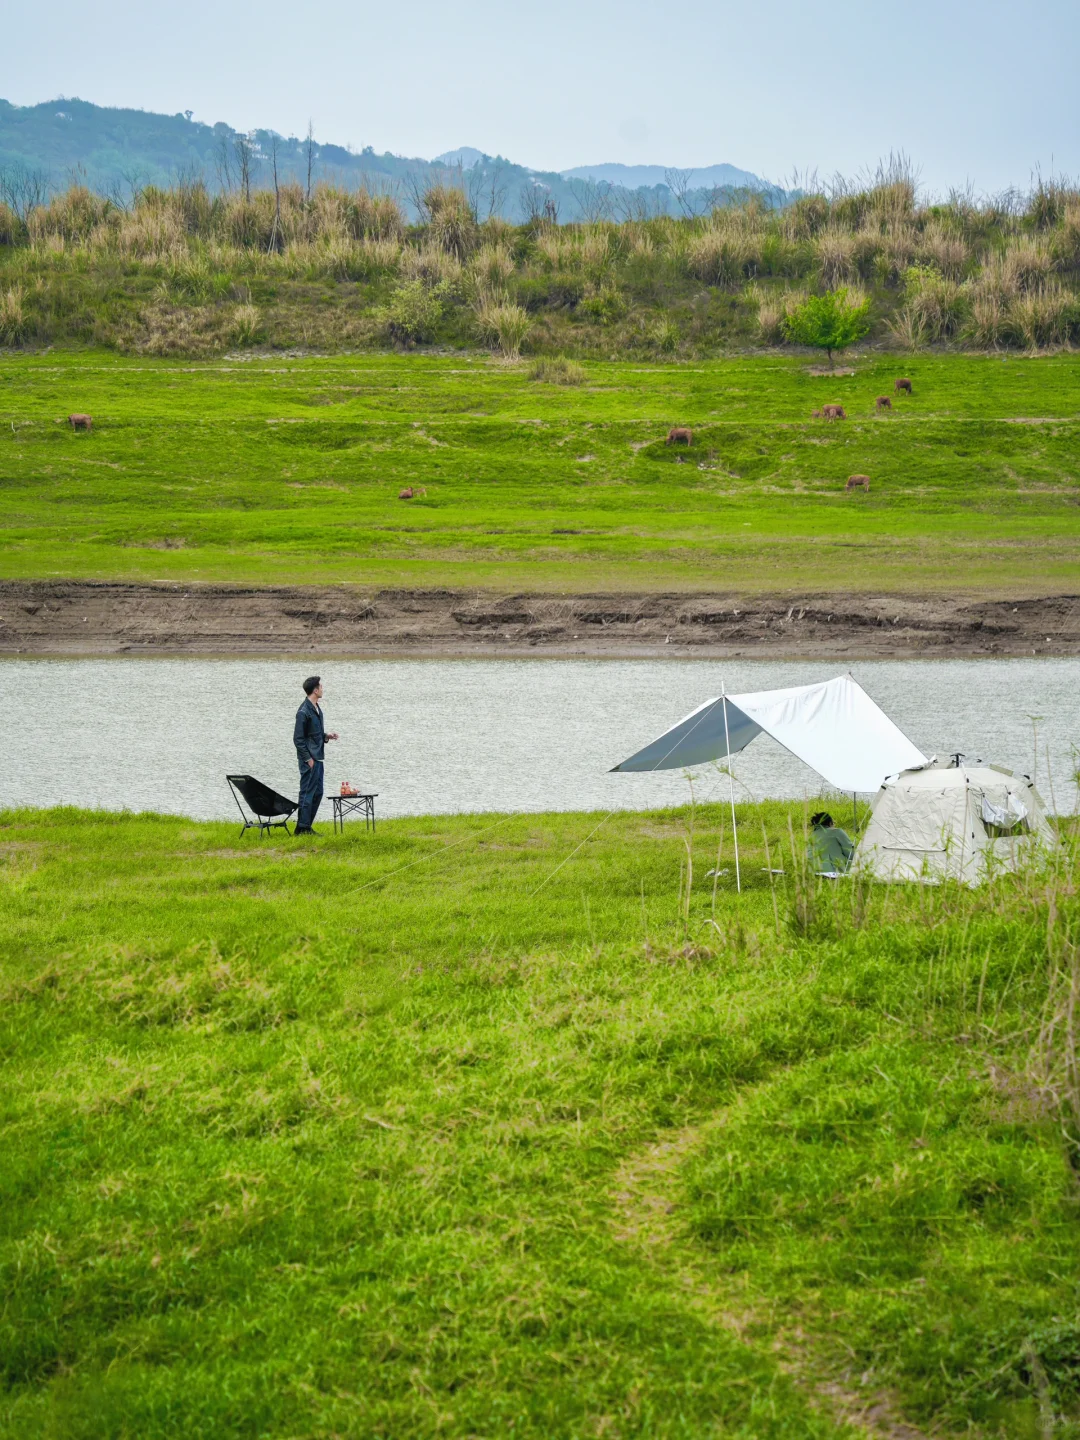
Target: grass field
301	1142
261	470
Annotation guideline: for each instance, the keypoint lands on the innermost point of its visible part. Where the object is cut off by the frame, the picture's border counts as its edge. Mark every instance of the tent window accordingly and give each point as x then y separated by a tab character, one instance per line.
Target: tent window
1001	822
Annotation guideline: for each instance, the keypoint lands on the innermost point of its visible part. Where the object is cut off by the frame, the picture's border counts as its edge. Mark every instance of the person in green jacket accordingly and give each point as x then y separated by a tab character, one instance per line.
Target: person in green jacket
829	849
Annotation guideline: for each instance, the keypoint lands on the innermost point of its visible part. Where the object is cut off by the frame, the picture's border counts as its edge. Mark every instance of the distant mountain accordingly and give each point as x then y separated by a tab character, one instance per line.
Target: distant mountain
116	151
634	177
464	155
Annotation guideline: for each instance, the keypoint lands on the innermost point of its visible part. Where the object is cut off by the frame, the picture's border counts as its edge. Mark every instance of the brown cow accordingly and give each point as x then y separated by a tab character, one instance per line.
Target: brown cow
80	422
856	482
883	402
679	435
902	385
834	412
411	491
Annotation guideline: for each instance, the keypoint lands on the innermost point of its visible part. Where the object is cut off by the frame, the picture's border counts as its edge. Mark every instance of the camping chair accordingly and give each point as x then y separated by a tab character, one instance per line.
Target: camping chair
265	804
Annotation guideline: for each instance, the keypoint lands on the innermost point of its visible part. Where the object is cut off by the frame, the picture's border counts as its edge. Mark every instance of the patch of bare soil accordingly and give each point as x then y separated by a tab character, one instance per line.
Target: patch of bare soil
87	618
646	1195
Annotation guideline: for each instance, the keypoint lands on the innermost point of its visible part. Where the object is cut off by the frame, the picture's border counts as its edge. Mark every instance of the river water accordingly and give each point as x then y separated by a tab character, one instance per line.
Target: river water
436	736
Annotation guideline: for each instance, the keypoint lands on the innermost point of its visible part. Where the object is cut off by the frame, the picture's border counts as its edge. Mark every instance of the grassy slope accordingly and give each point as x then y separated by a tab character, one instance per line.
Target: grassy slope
288	469
285	1156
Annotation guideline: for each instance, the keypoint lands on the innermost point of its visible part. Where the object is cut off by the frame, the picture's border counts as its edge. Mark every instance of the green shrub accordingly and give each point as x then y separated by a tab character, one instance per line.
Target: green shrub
827	321
414	311
604	307
665	337
549	292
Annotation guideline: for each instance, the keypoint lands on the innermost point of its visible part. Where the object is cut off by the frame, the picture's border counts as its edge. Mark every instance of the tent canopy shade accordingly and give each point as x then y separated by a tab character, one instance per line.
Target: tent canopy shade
833	726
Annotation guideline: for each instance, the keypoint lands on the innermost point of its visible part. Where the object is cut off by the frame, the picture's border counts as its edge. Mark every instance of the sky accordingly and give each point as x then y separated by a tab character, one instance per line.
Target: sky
974	92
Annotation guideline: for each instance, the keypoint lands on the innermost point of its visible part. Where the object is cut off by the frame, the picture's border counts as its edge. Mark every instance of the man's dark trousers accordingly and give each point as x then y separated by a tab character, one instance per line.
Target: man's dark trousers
311	792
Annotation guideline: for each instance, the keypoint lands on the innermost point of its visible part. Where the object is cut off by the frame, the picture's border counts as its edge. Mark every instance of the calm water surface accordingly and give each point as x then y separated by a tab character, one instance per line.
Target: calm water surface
439	736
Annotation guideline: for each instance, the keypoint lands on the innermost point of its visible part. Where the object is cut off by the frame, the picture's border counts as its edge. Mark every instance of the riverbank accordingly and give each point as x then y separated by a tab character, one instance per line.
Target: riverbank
298	1136
84	618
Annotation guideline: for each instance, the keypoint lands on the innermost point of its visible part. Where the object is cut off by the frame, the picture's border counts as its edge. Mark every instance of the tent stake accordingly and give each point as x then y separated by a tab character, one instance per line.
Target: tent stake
731	791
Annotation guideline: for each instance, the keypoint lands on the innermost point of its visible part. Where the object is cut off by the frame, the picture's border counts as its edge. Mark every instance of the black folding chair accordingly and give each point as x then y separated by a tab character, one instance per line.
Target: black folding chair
266	805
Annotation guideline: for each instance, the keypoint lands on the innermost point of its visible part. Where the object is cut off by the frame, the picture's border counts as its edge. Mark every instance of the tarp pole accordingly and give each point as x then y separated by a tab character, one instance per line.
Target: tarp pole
731	791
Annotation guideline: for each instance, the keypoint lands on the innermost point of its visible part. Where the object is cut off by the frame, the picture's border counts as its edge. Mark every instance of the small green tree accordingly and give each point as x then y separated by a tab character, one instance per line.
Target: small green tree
828	321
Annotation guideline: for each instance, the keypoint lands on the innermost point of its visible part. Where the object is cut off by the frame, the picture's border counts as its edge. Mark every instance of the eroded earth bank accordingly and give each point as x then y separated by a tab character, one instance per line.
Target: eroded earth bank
69	618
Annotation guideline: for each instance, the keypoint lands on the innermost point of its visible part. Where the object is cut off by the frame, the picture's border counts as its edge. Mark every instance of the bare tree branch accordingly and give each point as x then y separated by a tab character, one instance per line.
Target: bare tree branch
23	189
309	152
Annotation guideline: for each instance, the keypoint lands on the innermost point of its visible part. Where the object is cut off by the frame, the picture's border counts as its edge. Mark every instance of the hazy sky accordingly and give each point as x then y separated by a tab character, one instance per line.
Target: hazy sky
971	90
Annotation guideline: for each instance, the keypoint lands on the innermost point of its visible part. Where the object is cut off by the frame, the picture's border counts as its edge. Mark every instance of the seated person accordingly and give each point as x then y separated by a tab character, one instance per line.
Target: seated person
829	849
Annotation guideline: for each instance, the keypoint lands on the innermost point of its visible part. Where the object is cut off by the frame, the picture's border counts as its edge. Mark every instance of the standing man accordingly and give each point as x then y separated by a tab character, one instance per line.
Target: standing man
309	736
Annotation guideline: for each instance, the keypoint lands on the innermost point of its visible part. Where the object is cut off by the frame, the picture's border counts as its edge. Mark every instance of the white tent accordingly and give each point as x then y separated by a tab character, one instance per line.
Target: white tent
833	726
958	822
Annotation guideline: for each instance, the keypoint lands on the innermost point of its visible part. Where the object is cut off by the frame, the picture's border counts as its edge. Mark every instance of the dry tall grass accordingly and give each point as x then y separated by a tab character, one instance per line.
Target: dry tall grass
1028	264
944	249
432	264
721	255
836	255
1040	316
451	220
13	321
500	321
773	308
990	273
492	266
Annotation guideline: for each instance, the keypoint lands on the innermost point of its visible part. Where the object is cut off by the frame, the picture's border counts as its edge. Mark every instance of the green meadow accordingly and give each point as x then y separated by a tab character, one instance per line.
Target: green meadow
525	1125
262	469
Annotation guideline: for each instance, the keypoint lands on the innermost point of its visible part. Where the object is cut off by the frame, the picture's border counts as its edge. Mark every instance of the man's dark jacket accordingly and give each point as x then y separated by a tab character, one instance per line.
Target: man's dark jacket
309	733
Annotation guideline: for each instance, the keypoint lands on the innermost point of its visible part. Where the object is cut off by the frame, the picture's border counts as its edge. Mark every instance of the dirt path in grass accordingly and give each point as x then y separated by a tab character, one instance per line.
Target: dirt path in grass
646	1195
86	618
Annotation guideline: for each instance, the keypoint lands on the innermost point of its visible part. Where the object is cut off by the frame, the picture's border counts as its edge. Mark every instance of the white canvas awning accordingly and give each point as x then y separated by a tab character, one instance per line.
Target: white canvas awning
833	726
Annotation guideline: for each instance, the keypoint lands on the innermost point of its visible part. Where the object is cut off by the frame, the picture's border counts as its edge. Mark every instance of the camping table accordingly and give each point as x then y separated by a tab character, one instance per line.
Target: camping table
345	805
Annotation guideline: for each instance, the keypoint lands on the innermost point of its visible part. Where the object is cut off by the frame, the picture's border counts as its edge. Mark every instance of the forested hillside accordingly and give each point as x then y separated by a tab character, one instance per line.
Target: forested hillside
44	148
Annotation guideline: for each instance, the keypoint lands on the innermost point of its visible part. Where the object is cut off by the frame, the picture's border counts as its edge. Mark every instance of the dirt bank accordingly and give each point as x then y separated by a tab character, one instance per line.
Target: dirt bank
58	618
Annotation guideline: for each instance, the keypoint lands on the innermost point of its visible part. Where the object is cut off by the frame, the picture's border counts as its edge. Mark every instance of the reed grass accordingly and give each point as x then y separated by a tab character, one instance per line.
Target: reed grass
246	324
501	321
1041	317
13	325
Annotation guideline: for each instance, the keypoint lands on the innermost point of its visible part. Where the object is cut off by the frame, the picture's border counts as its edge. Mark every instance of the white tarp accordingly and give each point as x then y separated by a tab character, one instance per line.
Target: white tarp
833	726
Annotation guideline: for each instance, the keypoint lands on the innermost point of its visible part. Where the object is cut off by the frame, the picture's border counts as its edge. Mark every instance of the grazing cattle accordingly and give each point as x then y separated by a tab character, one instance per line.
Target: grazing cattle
858	482
80	422
679	435
834	412
411	491
815	414
902	385
883	402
